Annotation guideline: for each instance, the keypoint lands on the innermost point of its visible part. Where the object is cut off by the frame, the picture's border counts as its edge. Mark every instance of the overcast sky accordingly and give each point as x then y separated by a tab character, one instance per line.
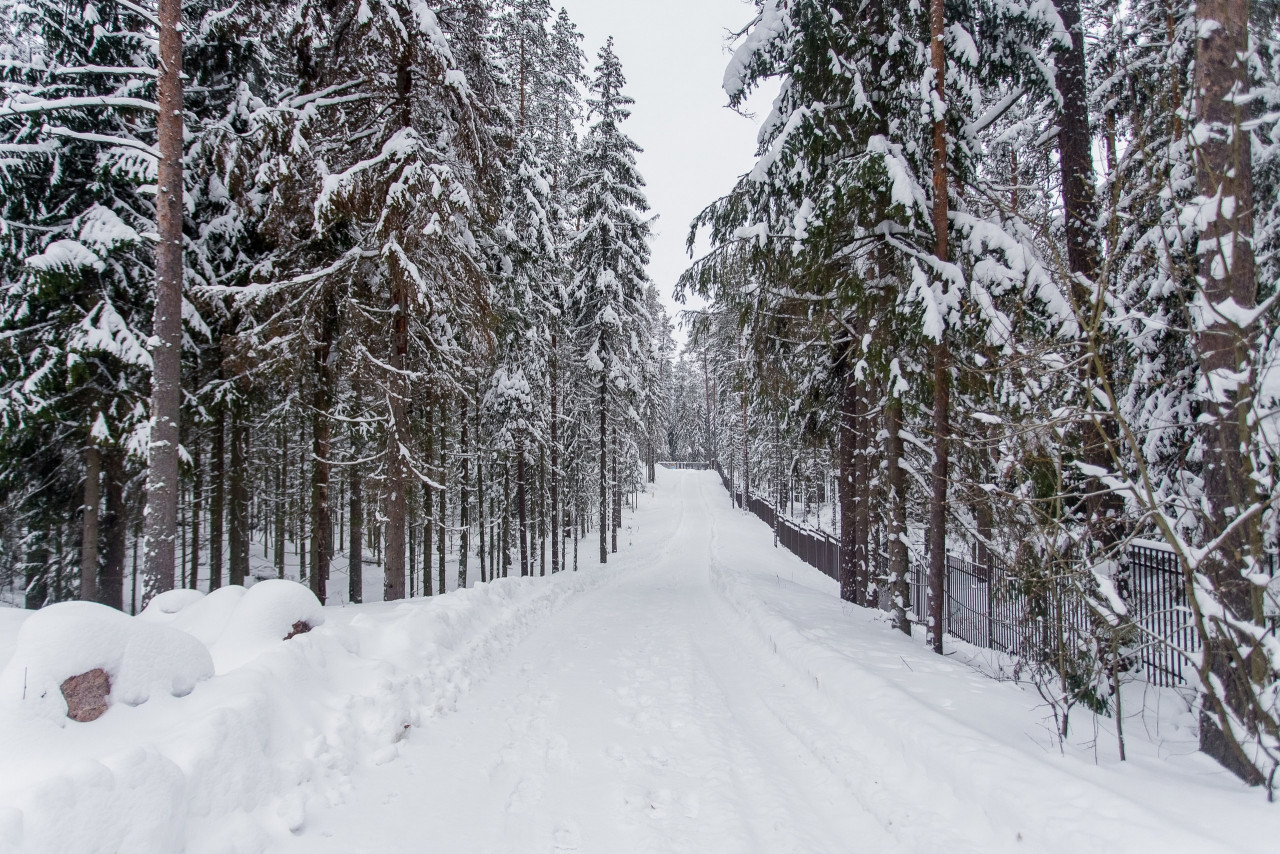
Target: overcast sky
673	55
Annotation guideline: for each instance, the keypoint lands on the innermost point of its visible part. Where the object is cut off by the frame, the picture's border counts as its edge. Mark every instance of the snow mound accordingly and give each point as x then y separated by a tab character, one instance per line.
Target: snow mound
71	638
207	619
268	613
164	606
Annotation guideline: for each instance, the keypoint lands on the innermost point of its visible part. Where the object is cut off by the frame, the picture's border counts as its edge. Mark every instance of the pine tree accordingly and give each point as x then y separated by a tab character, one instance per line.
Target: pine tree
610	252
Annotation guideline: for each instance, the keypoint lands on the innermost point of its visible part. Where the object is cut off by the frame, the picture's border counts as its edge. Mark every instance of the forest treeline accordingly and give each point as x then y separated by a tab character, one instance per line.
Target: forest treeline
411	240
1003	278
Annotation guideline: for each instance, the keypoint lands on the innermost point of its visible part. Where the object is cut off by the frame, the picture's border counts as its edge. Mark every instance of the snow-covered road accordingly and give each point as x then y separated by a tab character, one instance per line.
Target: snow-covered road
713	695
704	692
639	718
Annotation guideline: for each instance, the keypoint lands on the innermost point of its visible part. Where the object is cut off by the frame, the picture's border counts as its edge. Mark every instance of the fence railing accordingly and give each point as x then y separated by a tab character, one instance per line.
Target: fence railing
684	464
996	611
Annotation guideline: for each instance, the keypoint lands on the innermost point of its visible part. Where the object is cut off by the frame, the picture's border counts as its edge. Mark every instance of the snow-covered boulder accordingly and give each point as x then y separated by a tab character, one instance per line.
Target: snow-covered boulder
267	614
71	639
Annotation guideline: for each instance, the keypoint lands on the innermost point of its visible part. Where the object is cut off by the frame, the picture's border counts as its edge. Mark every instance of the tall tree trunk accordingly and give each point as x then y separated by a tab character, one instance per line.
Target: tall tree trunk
604	495
428	511
861	498
280	502
506	518
443	528
36	572
617	491
941	352
166	328
322	396
486	570
217	501
520	509
848	474
1227	279
89	523
555	458
1075	159
238	518
464	504
115	530
355	555
895	475
197	509
398	398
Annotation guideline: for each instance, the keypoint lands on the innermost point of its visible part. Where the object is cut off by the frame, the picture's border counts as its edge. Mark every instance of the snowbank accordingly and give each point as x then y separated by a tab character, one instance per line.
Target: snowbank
72	638
239	761
956	738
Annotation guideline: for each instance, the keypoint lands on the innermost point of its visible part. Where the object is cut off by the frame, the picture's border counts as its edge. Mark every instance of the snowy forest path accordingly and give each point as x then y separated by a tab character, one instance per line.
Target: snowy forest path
637	718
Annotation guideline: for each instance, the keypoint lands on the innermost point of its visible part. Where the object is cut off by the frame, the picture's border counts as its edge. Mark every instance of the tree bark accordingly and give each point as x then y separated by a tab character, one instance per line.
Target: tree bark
166	356
355	553
442	529
847	451
895	475
1075	159
1224	173
217	501
604	496
617	492
464	504
197	509
115	530
862	498
555	459
238	529
282	484
89	523
941	353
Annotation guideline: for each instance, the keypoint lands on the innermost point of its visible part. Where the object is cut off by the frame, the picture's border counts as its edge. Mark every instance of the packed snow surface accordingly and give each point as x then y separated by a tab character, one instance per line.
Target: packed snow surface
704	692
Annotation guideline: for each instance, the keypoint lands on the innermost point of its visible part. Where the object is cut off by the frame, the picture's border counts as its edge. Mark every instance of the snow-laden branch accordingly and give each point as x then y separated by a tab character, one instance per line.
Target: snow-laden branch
16	107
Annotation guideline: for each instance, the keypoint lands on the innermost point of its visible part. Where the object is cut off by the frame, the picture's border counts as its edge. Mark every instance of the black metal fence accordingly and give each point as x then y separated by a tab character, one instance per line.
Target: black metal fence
996	611
684	464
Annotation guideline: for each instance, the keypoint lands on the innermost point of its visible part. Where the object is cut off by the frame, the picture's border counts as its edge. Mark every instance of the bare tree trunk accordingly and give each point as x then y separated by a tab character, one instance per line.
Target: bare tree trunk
1227	278
398	399
443	528
555	458
482	521
523	531
847	450
166	356
897	482
861	498
89	523
941	353
604	497
1075	158
428	512
217	501
238	529
464	504
115	530
355	554
617	491
197	509
282	483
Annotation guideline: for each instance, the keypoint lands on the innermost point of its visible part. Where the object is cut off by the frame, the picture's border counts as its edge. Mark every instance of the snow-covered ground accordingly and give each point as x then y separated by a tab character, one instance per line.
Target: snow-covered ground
705	692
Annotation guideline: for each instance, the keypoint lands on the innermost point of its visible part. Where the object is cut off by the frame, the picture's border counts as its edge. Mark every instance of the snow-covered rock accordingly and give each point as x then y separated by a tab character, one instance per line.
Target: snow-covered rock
267	613
71	638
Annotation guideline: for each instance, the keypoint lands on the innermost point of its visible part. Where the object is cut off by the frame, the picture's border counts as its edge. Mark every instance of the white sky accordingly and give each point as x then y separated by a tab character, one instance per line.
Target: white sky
673	55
